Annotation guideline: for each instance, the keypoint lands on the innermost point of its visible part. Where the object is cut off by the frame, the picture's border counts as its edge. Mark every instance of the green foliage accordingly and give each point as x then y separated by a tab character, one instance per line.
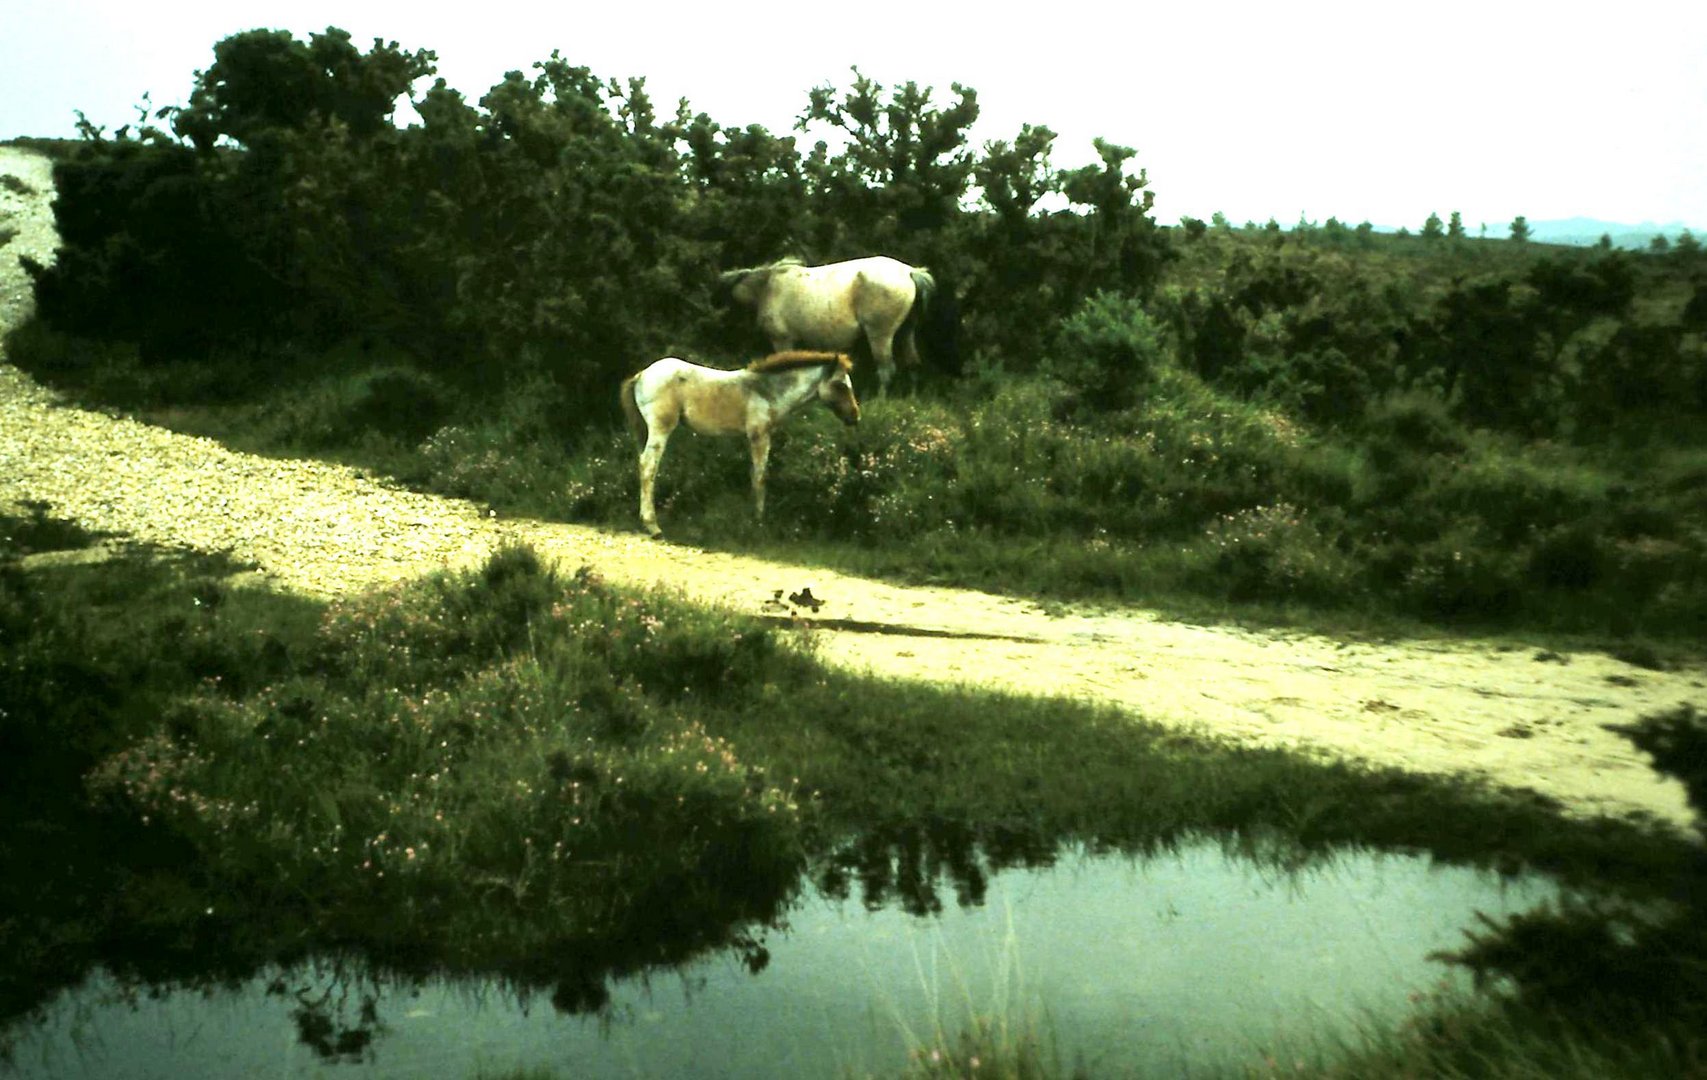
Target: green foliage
1108	352
559	225
263	82
485	770
904	166
1275	553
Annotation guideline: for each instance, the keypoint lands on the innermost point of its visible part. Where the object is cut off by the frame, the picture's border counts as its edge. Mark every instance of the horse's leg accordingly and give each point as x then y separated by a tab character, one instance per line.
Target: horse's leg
650	456
759	441
907	346
883	354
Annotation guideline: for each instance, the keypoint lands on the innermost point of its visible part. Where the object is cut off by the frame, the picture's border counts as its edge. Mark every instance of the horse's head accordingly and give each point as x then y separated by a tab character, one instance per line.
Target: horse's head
737	286
836	390
748	285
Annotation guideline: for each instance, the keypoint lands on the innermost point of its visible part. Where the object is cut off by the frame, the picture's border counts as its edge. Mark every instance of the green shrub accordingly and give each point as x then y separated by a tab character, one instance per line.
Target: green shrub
1572	557
489	768
1460	575
1512	495
1409	424
1275	552
398	403
1108	352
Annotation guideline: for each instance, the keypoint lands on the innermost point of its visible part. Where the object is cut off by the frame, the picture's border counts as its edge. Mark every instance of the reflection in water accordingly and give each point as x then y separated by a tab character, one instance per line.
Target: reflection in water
1161	963
906	864
321	1014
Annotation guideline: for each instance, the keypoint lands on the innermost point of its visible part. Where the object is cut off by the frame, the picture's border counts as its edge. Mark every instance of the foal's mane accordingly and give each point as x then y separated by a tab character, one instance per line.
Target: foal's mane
799	358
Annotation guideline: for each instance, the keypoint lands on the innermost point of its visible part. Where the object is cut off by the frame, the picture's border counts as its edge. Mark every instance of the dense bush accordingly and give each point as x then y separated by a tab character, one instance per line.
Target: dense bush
559	226
1107	352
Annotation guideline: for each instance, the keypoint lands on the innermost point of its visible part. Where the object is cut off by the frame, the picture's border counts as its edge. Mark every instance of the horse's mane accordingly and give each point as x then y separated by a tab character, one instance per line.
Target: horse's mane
798	358
730	277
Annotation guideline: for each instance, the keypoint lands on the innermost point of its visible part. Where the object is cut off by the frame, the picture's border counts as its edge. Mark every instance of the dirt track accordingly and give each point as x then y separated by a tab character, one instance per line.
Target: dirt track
1437	707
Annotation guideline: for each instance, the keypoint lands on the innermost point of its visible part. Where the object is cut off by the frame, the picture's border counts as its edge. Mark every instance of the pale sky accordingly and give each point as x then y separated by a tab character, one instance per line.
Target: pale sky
1362	111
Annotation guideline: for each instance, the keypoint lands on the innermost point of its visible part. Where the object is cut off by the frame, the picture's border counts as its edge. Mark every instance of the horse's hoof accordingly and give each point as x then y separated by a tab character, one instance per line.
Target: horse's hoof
653	532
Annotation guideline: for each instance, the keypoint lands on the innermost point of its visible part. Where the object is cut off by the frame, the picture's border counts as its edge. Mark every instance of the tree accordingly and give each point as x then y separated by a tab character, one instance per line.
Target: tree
1015	176
1126	250
266	80
1520	229
1432	228
904	166
749	188
1455	227
1659	245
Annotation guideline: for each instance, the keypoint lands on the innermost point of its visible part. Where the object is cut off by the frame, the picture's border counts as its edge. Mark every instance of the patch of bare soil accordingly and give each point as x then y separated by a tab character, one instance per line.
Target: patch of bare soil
1509	715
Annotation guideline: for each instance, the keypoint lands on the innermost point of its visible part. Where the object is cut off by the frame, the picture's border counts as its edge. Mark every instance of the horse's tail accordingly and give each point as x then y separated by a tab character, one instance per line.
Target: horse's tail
924	296
924	288
631	410
933	323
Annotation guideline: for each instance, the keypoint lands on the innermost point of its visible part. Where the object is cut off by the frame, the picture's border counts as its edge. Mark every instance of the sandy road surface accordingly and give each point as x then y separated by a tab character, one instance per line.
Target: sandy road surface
1437	707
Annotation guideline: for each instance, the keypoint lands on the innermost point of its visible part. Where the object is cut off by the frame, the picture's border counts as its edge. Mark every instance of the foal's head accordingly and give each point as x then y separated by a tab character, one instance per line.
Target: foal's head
837	392
835	381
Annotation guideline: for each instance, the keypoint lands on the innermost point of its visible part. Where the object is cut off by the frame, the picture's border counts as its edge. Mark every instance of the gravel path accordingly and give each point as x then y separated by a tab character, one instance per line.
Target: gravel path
1481	708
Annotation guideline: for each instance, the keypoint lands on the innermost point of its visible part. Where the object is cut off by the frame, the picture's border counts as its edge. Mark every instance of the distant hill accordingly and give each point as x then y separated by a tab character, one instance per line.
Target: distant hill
1575	231
1588	231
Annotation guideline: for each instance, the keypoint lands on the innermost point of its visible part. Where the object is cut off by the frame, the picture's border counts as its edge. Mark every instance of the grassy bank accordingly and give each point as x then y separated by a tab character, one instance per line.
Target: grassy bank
505	772
1186	498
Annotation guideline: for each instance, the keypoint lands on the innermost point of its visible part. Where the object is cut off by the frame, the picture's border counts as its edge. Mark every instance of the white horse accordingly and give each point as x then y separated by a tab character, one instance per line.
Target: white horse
830	306
752	401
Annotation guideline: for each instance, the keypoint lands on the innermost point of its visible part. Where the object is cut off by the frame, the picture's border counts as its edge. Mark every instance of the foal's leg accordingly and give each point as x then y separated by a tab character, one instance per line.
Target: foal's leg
650	456
759	441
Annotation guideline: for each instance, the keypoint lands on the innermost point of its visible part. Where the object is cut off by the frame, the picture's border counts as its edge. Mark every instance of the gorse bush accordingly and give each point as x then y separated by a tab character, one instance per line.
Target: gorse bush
561	225
1108	352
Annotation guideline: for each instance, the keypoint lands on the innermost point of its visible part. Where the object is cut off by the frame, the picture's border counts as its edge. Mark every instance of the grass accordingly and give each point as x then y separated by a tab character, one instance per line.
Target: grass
1456	1037
522	774
1190	500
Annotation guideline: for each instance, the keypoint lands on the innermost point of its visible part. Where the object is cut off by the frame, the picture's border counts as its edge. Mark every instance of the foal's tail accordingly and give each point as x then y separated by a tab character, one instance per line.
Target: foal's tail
631	410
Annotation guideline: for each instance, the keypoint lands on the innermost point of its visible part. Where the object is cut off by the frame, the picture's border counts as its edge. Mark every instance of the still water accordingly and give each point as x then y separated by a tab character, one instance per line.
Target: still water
1156	965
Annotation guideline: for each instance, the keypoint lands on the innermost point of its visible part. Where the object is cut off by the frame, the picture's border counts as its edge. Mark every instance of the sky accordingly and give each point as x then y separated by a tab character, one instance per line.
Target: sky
1384	112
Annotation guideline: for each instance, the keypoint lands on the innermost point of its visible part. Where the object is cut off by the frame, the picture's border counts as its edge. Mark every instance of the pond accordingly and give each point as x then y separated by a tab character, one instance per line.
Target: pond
1184	960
